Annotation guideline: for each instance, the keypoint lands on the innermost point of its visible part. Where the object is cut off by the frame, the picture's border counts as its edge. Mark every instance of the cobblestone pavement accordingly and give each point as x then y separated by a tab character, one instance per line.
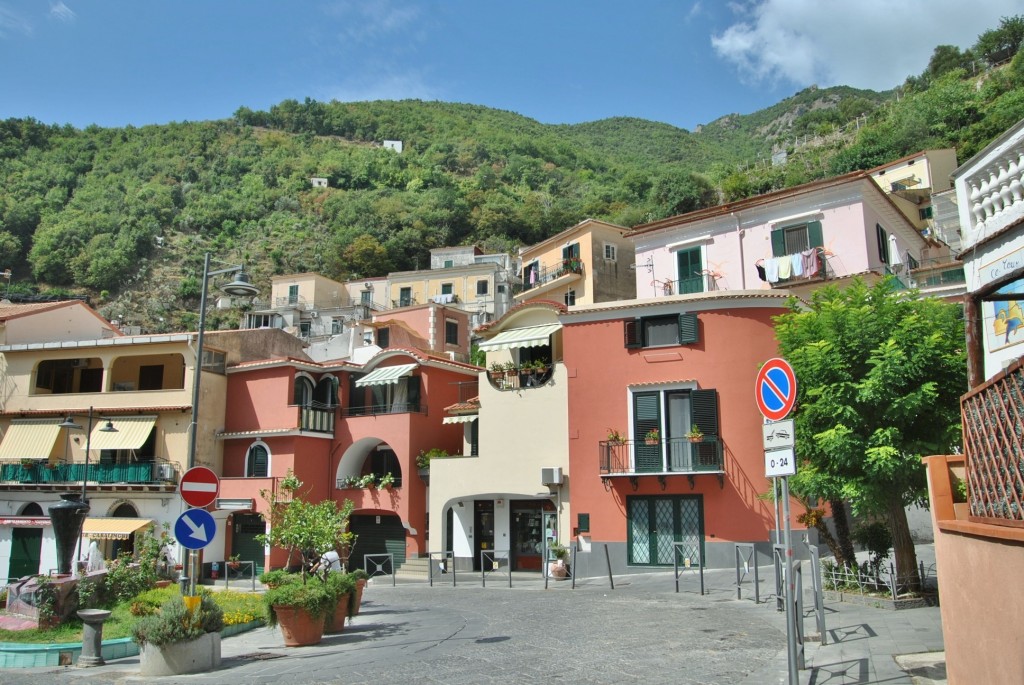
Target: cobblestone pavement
640	632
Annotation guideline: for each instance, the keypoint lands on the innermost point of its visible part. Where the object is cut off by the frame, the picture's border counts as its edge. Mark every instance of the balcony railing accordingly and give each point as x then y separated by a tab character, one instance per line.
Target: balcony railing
996	191
993	423
38	471
517	379
534	278
378	409
673	455
316	419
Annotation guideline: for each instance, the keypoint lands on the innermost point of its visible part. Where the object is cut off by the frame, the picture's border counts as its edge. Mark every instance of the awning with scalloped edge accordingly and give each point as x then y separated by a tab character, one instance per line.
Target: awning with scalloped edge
531	336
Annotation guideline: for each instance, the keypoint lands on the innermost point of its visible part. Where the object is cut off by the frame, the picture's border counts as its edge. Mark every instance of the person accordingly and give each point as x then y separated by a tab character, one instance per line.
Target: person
95	559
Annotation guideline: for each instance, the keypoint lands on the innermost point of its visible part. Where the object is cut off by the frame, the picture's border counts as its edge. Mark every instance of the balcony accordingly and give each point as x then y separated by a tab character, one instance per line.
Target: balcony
993	427
316	420
661	457
995	189
36	472
380	409
538	278
519	378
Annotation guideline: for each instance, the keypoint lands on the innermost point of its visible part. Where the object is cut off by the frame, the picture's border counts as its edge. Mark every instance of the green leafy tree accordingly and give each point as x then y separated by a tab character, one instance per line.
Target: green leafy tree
998	44
879	375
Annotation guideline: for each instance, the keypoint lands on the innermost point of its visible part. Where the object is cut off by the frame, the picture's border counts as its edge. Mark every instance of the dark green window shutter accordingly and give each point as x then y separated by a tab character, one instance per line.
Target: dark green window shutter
689	332
414	393
632	333
883	244
704	410
814	238
646	416
779	242
257	466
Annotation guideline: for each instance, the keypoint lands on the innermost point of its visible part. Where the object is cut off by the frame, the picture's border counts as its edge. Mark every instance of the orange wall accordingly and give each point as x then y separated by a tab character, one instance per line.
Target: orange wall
733	344
260	398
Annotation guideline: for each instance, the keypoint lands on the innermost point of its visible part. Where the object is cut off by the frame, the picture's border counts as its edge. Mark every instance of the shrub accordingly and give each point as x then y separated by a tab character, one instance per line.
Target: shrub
175	623
876	539
316	597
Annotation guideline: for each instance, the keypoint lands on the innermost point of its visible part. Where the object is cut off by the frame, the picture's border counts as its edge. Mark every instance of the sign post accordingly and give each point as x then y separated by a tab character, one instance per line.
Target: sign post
775	395
195	528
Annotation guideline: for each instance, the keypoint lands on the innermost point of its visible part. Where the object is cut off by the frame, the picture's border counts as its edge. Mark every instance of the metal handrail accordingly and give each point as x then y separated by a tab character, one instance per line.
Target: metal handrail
661	457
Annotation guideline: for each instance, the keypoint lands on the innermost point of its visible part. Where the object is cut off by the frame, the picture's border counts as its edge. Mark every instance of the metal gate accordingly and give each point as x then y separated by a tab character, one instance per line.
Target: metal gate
657	523
377	534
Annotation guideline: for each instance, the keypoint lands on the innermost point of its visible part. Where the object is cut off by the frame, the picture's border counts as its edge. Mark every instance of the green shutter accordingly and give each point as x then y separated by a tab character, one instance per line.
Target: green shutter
704	410
778	242
689	332
883	244
631	331
814	238
646	416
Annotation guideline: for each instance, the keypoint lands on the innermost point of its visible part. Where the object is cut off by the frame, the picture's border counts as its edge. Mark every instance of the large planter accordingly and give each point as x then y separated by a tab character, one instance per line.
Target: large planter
360	585
298	626
335	623
196	656
557	570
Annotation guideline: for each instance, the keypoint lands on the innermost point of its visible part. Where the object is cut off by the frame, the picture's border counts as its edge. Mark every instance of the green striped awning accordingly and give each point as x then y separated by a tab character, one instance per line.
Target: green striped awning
531	336
387	375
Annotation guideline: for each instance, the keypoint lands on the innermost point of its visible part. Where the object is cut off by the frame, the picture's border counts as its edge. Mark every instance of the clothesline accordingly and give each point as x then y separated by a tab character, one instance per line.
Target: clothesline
804	264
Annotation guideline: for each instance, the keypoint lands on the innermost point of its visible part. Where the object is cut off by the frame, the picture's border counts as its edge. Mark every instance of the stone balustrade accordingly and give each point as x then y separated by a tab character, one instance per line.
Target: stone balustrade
996	192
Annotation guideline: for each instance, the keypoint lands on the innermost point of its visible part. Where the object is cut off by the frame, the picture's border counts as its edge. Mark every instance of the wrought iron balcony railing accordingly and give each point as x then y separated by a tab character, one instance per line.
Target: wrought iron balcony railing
672	455
393	408
993	423
39	471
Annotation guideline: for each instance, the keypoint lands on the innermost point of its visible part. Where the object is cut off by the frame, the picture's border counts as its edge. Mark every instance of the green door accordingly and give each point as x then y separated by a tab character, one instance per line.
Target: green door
690	267
377	534
243	542
25	546
656	523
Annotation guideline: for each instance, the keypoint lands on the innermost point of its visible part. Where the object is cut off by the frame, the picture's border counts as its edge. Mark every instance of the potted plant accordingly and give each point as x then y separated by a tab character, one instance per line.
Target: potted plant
615	437
365	481
653	437
386	481
360	577
234	562
496	371
177	640
300	608
349	482
511	370
557	568
695	434
344	587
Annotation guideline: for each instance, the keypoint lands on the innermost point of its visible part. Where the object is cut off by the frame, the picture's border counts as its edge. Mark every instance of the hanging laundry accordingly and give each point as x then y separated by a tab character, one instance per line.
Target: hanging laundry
810	260
759	265
785	268
771	270
797	261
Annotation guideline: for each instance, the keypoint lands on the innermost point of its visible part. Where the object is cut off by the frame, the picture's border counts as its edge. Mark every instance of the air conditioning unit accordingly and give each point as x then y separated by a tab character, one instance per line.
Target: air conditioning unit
551	475
165	471
314	314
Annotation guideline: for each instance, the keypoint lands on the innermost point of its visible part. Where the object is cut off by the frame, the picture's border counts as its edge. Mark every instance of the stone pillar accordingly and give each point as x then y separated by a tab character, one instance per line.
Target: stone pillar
92	637
68	516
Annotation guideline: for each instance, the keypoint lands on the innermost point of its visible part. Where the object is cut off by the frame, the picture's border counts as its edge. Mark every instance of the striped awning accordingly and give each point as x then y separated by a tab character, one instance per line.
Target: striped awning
132	433
113	528
387	375
532	336
465	418
30	439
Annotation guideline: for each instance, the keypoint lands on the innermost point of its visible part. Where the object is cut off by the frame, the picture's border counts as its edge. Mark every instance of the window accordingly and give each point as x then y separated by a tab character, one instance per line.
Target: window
673	413
336	326
883	244
570	298
304	328
925	213
501	288
303	396
789	240
383	337
449	263
293	294
366	297
451	332
531	274
404	297
659	331
481	288
690	267
446	288
257	461
610	251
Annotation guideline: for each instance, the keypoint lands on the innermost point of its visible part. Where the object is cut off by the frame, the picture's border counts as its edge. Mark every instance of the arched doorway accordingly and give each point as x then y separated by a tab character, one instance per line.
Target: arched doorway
26	545
126	546
377	534
245	528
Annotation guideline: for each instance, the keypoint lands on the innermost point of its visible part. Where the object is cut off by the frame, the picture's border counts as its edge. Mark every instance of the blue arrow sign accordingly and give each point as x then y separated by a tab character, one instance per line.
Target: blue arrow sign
195	529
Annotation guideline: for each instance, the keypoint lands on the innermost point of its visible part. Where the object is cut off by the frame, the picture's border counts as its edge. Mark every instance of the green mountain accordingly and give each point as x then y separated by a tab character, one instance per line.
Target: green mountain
123	215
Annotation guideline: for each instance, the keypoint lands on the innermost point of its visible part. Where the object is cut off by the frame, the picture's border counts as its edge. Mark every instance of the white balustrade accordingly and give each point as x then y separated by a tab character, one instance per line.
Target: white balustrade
997	191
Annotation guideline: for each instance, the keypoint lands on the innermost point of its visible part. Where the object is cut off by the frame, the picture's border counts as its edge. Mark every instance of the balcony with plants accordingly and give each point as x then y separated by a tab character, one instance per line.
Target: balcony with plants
43	472
526	374
655	455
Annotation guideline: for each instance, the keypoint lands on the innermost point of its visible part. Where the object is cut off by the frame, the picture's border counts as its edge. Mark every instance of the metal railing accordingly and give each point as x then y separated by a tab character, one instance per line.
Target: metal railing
246	570
746	562
672	455
495	562
445	565
885	580
40	471
518	379
393	408
380	565
993	428
534	278
679	551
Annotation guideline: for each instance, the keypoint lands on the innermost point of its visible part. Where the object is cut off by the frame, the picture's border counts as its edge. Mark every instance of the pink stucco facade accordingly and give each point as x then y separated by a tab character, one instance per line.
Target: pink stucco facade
607	384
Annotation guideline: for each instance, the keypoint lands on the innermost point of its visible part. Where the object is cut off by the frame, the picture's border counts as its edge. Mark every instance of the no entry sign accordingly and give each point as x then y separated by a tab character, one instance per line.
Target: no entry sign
199	487
775	389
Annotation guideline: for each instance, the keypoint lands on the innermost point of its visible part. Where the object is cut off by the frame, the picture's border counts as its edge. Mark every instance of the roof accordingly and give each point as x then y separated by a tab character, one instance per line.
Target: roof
548	304
776	295
14	311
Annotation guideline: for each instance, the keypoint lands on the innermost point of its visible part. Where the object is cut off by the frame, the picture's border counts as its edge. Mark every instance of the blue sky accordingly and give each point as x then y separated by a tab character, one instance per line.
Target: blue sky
118	62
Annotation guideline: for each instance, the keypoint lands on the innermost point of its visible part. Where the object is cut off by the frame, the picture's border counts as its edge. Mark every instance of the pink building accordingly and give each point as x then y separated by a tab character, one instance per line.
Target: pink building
657	372
797	238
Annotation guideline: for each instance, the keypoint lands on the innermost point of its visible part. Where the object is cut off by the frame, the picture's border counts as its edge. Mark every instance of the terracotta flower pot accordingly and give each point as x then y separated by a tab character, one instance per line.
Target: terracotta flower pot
360	585
336	623
298	626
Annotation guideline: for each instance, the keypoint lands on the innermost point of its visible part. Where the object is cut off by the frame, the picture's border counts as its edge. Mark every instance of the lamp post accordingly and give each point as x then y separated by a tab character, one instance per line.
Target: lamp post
70	424
240	287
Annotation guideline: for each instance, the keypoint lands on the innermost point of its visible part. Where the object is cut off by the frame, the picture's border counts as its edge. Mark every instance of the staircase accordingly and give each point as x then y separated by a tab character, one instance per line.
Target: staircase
415	568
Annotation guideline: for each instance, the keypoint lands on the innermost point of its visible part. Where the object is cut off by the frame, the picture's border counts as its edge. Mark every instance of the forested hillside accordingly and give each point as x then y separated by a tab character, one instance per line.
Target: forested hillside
124	215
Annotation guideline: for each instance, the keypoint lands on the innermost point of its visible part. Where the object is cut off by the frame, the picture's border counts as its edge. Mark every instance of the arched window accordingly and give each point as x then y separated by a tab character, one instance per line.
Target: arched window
32	509
303	391
257	461
327	392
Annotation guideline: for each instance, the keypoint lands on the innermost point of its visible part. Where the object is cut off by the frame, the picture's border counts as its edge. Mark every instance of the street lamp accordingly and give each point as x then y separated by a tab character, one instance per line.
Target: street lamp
70	424
240	287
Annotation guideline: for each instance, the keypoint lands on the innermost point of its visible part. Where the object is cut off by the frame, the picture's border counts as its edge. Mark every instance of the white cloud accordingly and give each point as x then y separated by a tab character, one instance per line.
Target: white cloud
366	22
404	86
12	22
872	44
62	12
